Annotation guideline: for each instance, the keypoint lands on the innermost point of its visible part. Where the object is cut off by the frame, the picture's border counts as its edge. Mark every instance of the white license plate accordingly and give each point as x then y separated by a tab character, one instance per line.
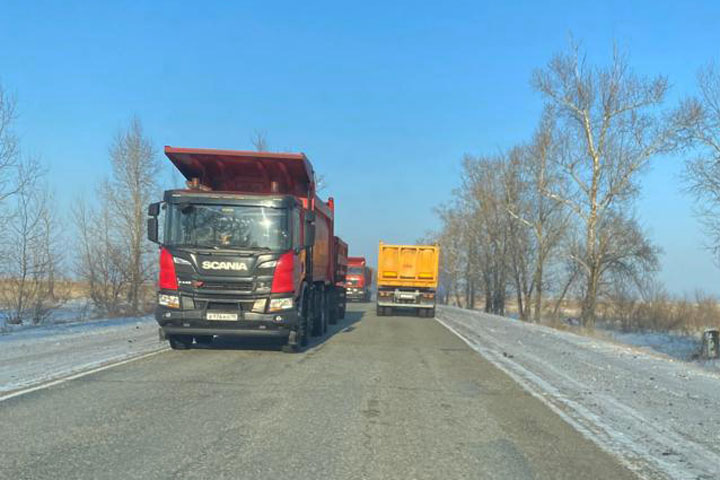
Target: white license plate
407	297
222	316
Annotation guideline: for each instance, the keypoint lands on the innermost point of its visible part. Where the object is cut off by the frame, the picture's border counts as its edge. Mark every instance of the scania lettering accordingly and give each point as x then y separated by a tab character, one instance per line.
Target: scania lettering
224	266
247	249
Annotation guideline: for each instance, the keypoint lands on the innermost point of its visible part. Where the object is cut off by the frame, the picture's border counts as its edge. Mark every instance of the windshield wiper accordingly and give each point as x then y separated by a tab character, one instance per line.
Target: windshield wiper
195	245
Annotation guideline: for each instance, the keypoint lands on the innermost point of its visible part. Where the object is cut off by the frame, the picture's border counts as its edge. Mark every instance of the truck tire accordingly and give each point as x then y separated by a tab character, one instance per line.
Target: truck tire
341	315
180	342
319	313
325	310
431	313
379	311
334	309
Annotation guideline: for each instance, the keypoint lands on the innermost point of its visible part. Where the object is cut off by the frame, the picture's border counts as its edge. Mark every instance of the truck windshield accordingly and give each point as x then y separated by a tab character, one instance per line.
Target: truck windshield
356	270
225	226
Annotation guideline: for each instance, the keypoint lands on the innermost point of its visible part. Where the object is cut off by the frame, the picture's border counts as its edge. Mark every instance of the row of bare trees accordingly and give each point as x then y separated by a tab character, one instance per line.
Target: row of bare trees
557	214
106	255
29	247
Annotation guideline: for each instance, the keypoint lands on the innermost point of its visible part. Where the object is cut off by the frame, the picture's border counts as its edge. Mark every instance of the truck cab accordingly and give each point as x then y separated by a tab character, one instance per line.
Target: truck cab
236	259
359	280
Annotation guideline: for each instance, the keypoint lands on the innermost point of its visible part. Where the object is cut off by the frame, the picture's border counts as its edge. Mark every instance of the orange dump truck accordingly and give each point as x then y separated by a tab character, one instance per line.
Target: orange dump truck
407	278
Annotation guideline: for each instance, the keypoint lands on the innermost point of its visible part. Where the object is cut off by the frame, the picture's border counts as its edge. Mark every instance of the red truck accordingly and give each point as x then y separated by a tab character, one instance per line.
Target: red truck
248	249
359	279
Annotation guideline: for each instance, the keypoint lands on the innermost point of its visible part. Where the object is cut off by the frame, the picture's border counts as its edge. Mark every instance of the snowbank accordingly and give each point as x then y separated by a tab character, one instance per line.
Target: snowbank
38	354
659	415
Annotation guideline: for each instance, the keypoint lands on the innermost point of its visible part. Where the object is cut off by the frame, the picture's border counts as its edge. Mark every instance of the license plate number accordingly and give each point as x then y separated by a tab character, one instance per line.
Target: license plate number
222	316
405	296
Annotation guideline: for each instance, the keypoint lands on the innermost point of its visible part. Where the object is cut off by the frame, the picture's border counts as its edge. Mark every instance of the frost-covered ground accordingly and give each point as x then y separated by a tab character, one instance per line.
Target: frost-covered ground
674	344
75	310
659	414
34	354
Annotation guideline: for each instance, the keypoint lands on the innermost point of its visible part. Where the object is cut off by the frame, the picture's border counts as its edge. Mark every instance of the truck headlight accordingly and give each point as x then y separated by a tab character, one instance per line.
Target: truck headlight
277	304
259	306
170	301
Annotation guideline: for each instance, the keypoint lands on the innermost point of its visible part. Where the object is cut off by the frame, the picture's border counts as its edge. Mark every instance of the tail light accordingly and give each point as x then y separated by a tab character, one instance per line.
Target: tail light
167	279
284	278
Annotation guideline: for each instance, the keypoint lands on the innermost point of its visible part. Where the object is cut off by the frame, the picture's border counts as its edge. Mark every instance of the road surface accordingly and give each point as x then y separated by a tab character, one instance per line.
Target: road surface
379	398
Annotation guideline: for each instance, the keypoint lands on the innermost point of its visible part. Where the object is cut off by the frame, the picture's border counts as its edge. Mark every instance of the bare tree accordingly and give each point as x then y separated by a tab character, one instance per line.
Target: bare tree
482	197
612	129
698	126
534	173
9	146
259	140
134	180
452	241
25	256
32	257
100	257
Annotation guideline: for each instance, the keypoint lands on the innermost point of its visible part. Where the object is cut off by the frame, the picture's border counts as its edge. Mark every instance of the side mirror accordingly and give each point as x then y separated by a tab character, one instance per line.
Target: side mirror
309	235
152	229
154	209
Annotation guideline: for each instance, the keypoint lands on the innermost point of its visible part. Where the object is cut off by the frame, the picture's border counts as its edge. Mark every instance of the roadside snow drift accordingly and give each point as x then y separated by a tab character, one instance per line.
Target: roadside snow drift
36	355
660	416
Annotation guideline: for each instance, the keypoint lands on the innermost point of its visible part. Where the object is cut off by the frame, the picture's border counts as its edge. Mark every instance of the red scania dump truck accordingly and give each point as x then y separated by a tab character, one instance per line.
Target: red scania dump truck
359	279
247	249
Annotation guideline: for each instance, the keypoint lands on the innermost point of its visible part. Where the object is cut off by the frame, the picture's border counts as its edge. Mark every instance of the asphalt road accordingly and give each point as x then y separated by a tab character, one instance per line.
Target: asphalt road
379	398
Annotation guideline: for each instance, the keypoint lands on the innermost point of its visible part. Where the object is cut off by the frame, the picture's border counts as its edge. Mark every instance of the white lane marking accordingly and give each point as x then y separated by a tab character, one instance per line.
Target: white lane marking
74	376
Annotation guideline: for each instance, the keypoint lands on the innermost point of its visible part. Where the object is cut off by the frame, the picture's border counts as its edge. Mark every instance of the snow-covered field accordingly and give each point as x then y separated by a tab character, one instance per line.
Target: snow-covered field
659	414
32	355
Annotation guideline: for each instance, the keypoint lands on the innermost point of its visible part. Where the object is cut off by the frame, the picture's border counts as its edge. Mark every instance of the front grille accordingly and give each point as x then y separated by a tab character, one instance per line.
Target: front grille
223	306
235	286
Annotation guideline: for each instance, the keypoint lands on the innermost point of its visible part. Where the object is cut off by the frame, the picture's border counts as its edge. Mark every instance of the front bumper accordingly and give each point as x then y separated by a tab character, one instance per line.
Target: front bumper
404	305
249	324
356	293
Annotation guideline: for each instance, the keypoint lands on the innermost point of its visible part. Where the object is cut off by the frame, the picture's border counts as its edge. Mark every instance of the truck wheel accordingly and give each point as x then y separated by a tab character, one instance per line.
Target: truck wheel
334	309
380	311
431	313
319	314
325	310
180	342
341	315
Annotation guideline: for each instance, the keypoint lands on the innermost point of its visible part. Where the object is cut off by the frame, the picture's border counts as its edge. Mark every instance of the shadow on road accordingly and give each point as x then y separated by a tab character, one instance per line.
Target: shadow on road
268	344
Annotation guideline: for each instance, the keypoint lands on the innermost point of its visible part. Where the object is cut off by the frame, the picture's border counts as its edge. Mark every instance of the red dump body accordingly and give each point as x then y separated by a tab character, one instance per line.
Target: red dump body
341	256
266	173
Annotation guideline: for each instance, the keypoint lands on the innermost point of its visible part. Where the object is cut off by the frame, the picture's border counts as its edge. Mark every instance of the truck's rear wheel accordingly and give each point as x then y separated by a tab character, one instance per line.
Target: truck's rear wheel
334	309
325	310
380	311
180	342
431	313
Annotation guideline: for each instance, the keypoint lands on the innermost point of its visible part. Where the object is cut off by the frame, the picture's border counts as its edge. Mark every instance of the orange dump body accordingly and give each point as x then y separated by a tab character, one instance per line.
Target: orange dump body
413	266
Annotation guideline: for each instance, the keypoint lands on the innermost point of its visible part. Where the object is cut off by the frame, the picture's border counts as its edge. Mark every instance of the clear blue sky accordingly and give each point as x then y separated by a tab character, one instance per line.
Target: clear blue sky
385	97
